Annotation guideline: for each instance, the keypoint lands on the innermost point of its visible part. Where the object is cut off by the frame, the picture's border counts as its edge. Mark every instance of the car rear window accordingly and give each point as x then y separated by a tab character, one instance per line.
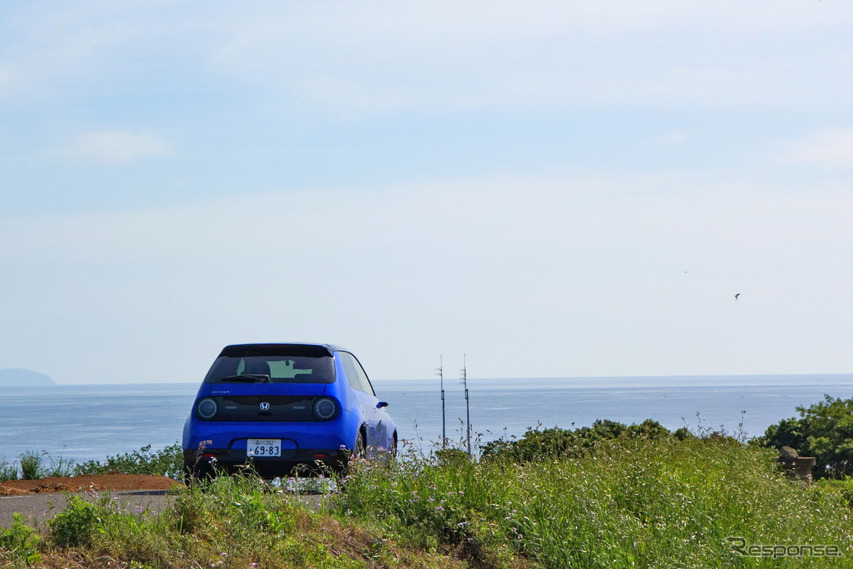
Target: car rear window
259	368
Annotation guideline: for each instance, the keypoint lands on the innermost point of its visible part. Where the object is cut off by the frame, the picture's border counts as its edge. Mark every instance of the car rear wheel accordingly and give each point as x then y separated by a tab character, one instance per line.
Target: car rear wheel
360	450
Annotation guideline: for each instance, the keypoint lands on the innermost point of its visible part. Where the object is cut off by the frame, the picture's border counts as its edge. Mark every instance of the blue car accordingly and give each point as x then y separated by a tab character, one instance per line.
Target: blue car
279	406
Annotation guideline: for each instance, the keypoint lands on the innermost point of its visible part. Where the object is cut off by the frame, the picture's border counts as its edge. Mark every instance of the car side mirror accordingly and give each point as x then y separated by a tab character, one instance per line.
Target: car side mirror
381	404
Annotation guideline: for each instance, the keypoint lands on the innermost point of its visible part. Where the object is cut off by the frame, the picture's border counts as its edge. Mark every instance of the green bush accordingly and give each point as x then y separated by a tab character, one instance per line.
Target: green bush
8	471
451	455
823	430
31	466
231	521
76	525
842	487
58	467
166	462
19	544
536	444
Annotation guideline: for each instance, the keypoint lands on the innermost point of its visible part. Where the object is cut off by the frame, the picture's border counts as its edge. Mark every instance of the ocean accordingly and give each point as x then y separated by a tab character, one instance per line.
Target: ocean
90	422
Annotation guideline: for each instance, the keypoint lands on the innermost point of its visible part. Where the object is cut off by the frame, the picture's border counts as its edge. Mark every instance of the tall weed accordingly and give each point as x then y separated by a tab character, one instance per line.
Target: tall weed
8	471
32	467
237	521
643	501
19	544
59	467
168	461
77	524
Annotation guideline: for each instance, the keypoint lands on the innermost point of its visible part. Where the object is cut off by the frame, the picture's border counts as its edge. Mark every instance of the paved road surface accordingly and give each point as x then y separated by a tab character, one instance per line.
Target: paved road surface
36	508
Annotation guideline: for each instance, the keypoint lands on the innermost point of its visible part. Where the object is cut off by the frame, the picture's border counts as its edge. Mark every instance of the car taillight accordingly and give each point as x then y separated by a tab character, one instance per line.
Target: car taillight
207	408
325	408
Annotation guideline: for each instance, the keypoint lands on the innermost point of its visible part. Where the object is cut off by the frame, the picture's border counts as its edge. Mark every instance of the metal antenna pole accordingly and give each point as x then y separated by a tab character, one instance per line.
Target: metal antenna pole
440	373
467	405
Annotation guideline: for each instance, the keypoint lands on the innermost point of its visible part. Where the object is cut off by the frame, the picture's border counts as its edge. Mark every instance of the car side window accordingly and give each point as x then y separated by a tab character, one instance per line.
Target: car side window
362	378
352	374
356	375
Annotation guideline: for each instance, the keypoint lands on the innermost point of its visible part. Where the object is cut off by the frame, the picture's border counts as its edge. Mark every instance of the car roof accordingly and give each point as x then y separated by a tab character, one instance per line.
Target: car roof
309	350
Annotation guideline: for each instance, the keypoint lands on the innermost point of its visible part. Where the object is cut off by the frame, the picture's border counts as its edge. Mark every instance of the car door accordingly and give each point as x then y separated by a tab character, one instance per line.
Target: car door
381	433
367	402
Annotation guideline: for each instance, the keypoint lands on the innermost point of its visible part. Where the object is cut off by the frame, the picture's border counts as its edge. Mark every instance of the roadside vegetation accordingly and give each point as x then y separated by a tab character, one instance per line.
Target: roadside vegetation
608	495
823	430
32	466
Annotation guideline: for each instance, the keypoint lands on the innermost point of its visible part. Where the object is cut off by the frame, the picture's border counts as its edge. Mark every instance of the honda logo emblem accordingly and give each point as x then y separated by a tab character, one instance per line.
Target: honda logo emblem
265	406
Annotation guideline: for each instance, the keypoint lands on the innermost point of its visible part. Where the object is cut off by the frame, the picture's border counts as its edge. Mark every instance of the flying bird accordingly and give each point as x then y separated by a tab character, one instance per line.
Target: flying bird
737	295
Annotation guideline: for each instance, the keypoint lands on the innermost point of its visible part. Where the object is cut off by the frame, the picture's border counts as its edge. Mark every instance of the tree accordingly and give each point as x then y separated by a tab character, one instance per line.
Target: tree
824	431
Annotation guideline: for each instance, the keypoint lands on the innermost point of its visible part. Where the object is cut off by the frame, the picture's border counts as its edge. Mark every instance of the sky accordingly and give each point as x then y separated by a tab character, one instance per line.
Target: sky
539	189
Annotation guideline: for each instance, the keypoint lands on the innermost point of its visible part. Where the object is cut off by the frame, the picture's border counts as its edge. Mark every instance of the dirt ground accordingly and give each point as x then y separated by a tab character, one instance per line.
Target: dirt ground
87	482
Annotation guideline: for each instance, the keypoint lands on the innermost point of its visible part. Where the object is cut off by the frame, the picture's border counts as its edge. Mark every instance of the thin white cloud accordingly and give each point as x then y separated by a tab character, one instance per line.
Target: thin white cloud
389	57
525	222
48	51
623	273
831	147
386	57
116	147
580	263
626	276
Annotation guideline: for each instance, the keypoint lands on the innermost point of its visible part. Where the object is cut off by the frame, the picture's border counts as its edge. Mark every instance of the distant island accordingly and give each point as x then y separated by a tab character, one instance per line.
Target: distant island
23	378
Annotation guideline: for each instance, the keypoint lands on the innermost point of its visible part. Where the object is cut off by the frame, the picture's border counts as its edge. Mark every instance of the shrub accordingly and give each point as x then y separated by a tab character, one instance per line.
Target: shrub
450	455
536	444
8	471
20	542
823	430
76	525
843	488
166	462
31	466
242	521
59	467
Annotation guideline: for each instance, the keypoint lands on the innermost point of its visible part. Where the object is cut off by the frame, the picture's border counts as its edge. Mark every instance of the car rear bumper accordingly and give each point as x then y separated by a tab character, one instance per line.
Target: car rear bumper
210	461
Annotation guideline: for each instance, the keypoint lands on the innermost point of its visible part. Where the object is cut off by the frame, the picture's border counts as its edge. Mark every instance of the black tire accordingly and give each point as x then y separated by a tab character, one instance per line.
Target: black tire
360	450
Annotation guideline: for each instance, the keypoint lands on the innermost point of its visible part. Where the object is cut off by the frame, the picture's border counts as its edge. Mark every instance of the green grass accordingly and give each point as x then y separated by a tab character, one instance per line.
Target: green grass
235	521
605	497
168	461
655	502
31	466
19	544
8	471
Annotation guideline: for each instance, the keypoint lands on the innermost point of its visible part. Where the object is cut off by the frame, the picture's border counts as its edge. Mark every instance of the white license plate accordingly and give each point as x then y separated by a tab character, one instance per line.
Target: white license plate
263	447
